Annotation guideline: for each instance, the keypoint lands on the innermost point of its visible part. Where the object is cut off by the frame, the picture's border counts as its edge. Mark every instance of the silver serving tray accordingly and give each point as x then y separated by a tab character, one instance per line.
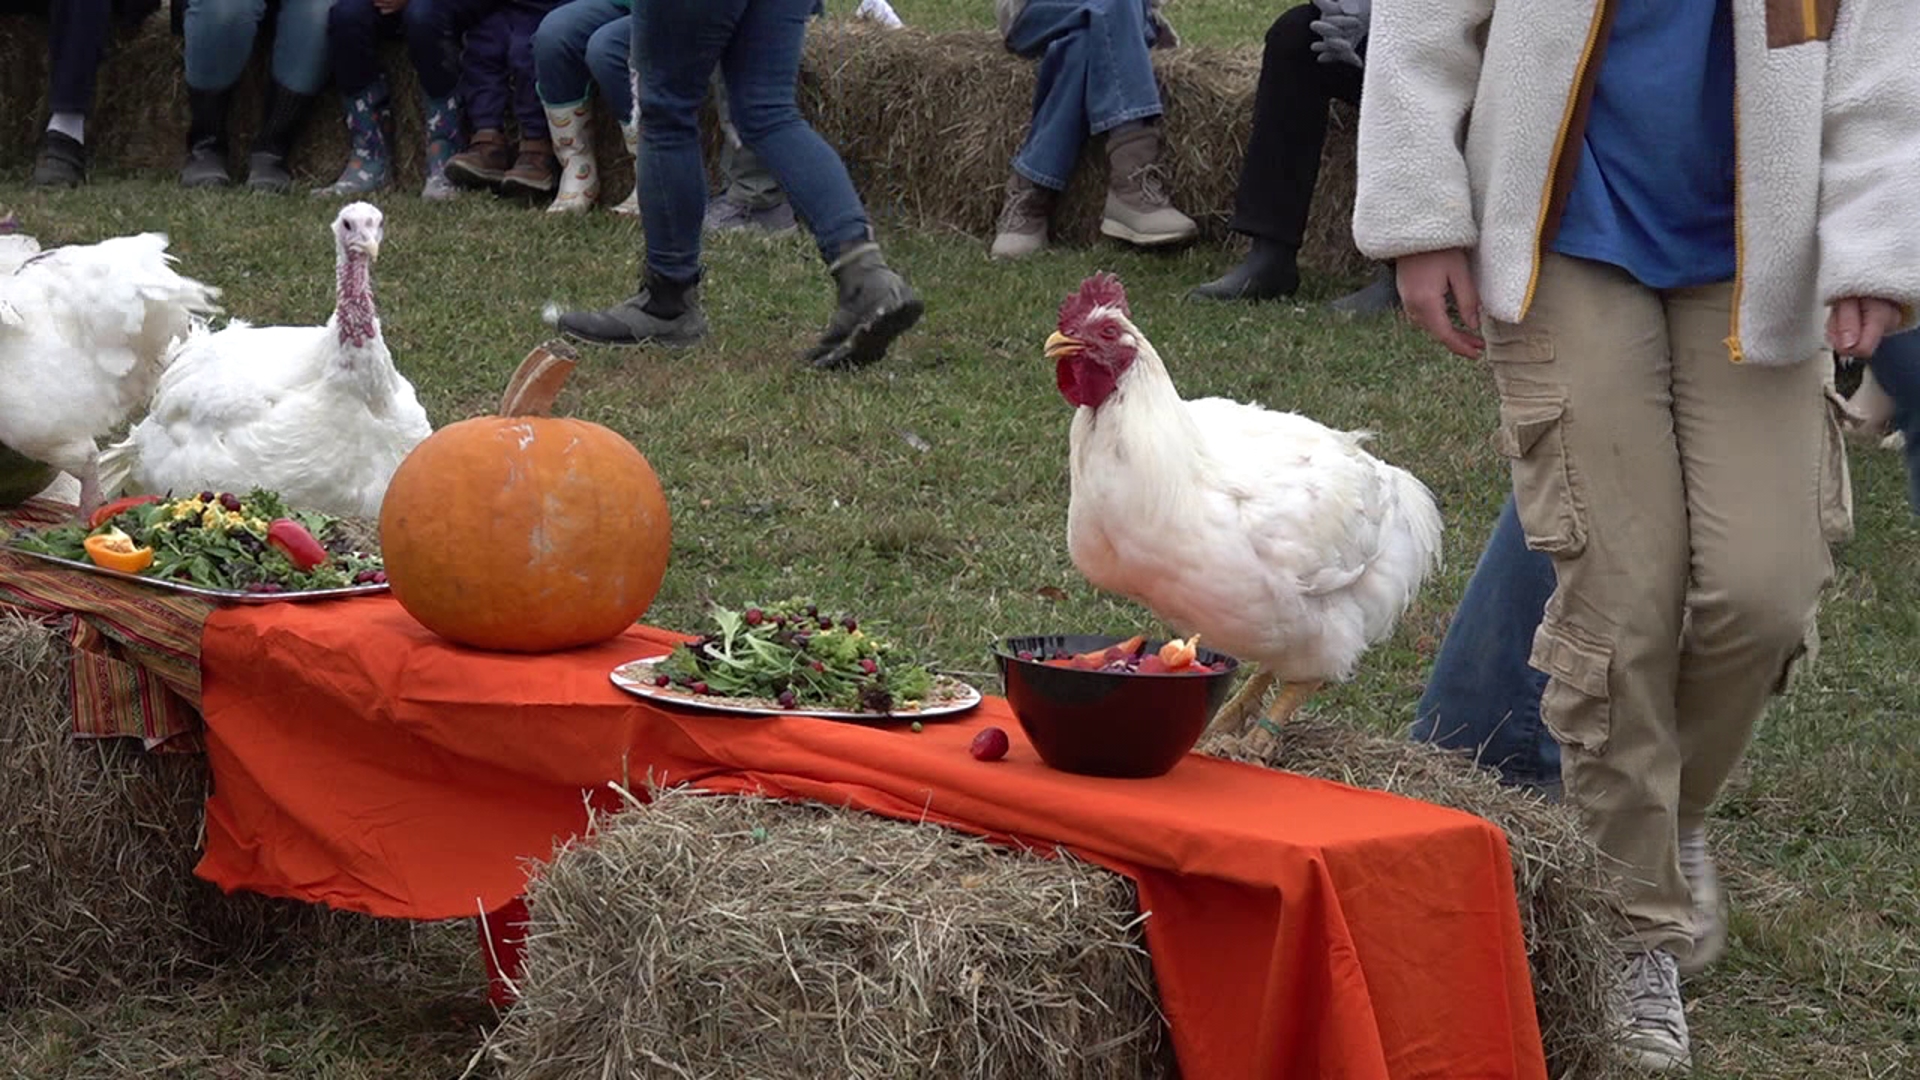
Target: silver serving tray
229	596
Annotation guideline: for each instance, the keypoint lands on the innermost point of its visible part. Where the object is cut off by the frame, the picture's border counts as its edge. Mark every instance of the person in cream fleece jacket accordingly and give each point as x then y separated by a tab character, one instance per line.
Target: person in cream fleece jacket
1656	213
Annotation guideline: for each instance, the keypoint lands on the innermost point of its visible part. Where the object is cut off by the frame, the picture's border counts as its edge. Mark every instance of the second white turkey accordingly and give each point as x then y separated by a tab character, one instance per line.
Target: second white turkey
316	413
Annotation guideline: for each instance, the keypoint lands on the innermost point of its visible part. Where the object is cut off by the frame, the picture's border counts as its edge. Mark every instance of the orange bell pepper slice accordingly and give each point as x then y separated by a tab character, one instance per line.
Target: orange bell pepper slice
1124	648
115	550
1180	654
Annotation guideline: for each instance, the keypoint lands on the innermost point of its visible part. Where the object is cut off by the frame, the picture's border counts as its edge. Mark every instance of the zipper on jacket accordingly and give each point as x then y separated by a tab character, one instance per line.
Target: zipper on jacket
1572	117
1734	352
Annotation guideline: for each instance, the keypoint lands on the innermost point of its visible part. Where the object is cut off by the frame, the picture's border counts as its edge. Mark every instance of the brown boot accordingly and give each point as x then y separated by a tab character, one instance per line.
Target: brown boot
1023	220
535	173
1138	209
483	163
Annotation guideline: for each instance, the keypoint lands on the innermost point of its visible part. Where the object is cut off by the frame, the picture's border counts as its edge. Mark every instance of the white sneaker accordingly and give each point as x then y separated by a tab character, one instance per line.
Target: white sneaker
1654	1022
1709	904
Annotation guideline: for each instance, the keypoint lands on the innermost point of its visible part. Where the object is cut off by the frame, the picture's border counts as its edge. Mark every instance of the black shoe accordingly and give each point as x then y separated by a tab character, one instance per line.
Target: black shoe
267	171
661	313
1270	270
876	306
206	167
60	162
1378	297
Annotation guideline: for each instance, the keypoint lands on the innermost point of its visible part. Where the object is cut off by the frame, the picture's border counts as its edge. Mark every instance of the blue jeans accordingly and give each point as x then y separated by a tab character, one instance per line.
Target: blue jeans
756	43
355	29
1483	696
1095	74
219	42
1896	367
583	38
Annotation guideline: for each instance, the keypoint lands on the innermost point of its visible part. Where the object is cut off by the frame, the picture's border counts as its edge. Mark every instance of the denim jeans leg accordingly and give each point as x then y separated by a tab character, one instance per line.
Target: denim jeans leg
354	31
607	60
762	67
560	57
676	46
1896	367
300	45
219	36
1095	74
1483	696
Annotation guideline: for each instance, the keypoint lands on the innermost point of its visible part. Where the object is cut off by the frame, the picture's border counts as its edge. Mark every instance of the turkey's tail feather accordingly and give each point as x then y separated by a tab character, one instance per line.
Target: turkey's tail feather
1415	504
120	302
117	463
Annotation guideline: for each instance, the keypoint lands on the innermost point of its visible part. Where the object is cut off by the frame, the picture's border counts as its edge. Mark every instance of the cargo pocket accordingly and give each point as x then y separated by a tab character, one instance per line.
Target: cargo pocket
1576	705
1836	482
1796	22
1533	440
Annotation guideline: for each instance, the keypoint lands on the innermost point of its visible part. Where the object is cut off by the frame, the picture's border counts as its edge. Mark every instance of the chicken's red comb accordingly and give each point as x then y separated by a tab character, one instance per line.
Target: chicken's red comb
1100	290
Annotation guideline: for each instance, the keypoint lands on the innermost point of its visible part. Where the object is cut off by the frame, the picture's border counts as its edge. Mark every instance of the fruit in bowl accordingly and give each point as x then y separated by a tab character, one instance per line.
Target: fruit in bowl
1099	705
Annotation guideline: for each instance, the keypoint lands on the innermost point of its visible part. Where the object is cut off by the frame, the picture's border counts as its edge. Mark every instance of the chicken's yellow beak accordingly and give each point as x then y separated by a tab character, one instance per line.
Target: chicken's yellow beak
1060	345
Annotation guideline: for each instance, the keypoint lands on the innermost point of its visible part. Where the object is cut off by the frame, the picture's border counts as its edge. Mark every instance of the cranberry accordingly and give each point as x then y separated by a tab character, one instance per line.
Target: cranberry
991	744
869	666
662	680
755	616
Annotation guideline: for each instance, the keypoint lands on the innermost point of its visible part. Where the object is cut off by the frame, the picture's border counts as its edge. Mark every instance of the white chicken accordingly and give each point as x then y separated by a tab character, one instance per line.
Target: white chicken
1276	539
316	413
85	331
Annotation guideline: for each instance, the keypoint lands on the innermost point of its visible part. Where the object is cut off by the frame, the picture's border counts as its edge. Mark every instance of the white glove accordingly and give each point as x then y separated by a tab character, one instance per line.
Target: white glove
1342	26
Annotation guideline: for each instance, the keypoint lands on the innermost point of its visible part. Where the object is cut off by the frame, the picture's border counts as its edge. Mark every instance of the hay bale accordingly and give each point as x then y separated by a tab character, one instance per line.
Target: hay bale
1566	891
97	845
705	935
927	124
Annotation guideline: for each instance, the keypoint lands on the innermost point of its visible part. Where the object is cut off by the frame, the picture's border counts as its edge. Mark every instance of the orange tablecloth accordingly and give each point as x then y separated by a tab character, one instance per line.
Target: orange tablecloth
1298	928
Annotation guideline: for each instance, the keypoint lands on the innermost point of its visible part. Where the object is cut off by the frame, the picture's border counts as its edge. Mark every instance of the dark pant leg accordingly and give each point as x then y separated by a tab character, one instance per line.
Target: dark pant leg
1289	130
483	71
77	42
354	31
523	19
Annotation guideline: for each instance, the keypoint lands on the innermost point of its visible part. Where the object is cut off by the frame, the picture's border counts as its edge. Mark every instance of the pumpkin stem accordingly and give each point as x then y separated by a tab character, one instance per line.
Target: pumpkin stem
536	383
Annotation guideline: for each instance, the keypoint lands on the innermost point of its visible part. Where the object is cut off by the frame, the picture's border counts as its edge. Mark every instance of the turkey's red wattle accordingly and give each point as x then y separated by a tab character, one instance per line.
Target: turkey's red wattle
353	306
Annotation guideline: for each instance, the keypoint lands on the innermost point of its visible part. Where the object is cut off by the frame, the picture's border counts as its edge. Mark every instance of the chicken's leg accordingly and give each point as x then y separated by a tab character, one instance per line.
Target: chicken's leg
80	460
1233	716
1260	740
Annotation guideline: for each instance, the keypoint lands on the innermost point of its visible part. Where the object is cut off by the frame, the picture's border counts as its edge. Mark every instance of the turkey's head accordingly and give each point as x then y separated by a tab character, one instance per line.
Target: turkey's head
1096	341
357	231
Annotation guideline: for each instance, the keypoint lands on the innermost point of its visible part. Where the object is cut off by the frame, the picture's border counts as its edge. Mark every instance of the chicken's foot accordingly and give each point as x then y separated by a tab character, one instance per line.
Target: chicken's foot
1266	731
1245	702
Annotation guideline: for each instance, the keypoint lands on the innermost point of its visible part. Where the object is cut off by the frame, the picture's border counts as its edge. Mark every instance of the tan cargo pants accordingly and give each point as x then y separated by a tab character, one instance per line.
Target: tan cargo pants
1681	498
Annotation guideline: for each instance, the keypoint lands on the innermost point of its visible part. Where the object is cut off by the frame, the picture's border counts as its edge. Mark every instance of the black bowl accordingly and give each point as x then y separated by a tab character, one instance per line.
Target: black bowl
1108	723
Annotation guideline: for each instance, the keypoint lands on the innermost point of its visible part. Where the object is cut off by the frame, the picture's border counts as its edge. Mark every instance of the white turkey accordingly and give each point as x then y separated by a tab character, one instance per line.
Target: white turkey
316	413
85	331
1274	538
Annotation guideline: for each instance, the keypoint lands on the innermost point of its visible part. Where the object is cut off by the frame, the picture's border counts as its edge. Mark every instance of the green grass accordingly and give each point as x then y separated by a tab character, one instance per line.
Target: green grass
783	481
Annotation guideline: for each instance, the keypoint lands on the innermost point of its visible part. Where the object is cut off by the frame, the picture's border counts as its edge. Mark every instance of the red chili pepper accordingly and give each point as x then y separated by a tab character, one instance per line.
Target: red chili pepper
293	540
113	509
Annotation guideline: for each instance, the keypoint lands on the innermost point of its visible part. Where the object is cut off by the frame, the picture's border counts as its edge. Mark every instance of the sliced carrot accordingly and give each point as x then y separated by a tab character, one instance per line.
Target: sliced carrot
1123	649
1180	654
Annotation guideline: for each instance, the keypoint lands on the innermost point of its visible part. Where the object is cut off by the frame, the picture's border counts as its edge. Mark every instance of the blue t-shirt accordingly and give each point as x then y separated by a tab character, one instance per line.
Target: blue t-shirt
1653	192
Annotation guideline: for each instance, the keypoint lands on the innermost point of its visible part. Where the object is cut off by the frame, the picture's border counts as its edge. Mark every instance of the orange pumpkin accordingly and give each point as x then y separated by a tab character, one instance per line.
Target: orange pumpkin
523	532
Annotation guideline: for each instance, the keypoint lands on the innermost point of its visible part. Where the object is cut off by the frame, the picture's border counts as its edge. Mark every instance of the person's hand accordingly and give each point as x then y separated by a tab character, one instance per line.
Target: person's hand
1342	25
388	7
1856	324
1426	281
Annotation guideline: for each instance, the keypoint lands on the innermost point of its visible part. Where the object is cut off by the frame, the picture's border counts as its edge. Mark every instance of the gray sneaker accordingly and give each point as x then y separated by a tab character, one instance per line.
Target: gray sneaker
725	215
1709	903
776	219
1654	1021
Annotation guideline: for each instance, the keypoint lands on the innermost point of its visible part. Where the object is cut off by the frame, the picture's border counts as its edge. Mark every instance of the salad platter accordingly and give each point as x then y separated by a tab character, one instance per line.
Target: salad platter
248	549
789	659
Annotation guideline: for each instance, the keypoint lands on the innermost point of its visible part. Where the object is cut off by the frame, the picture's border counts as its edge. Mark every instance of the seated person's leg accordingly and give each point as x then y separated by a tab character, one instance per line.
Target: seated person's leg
299	74
750	198
219	36
76	42
1896	367
1095	76
355	29
483	85
433	44
1483	696
607	55
563	80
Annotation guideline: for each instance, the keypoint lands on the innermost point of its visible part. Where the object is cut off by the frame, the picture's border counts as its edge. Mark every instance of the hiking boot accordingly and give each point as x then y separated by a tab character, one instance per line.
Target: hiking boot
535	174
369	115
441	117
1377	297
1270	271
484	163
1138	209
1709	904
663	312
60	162
573	144
876	306
1654	1022
1022	230
284	115
206	165
630	134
